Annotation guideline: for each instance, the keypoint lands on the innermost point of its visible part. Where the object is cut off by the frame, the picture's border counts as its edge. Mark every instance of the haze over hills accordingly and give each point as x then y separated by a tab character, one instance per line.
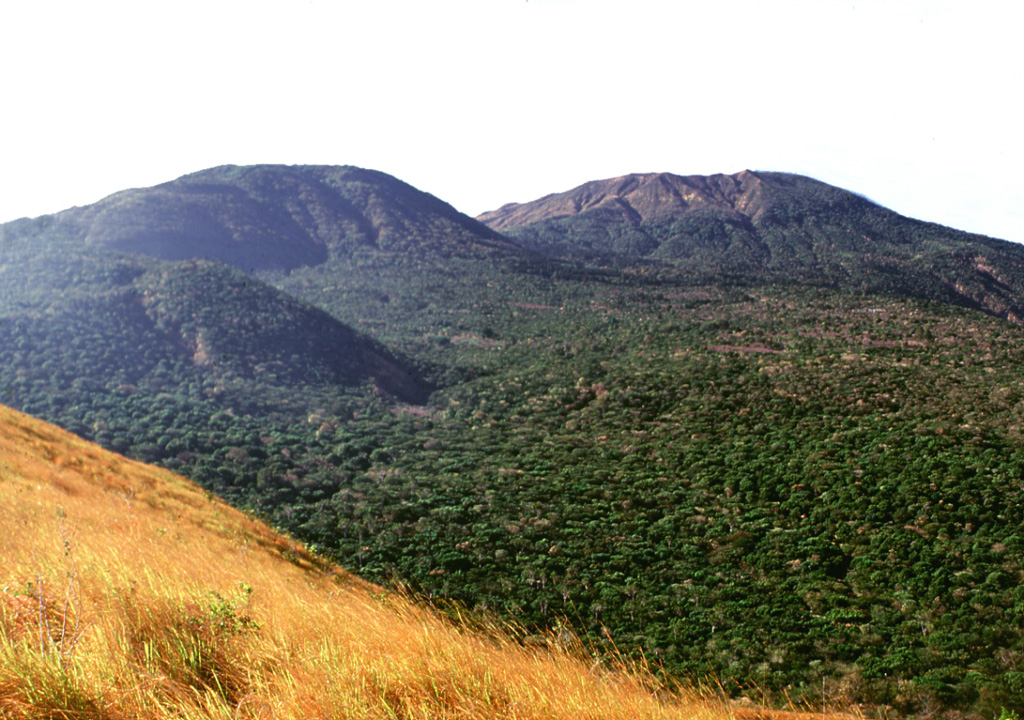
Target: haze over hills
751	425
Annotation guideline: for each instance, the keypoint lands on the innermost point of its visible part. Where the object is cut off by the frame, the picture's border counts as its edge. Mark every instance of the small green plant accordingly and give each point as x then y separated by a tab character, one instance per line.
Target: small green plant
224	612
1005	714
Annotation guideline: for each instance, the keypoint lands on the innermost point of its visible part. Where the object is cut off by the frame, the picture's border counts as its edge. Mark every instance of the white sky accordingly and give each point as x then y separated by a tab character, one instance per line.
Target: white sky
917	105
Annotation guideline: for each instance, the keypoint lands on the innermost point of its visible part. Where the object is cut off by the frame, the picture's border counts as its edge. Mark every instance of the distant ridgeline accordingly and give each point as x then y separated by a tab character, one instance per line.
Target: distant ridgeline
786	228
751	425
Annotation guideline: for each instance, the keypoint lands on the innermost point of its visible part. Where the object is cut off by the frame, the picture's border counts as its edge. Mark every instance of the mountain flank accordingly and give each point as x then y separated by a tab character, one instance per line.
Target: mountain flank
274	217
774	227
639	197
120	317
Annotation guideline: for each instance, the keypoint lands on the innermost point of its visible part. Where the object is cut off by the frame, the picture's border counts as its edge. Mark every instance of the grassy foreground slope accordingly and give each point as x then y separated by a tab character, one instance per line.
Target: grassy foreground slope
125	591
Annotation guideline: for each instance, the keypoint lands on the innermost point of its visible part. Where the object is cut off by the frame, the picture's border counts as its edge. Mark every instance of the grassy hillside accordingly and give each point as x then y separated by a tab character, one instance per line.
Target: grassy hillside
126	592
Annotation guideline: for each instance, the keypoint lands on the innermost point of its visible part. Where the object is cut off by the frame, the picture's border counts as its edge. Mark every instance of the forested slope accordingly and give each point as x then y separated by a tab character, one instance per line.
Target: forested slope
800	471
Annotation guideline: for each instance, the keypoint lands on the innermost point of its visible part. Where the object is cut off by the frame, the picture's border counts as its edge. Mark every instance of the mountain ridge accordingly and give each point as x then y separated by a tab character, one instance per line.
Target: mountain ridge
276	217
593	193
769	226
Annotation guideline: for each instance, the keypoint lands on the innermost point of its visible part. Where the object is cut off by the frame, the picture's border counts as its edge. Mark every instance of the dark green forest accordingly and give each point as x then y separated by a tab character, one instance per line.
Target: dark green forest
792	484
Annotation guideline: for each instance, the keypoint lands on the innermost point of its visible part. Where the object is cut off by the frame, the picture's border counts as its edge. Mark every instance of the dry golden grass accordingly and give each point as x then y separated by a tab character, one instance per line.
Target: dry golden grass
126	592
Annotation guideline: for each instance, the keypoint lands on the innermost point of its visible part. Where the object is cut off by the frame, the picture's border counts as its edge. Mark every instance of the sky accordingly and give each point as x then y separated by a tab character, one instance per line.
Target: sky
914	104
